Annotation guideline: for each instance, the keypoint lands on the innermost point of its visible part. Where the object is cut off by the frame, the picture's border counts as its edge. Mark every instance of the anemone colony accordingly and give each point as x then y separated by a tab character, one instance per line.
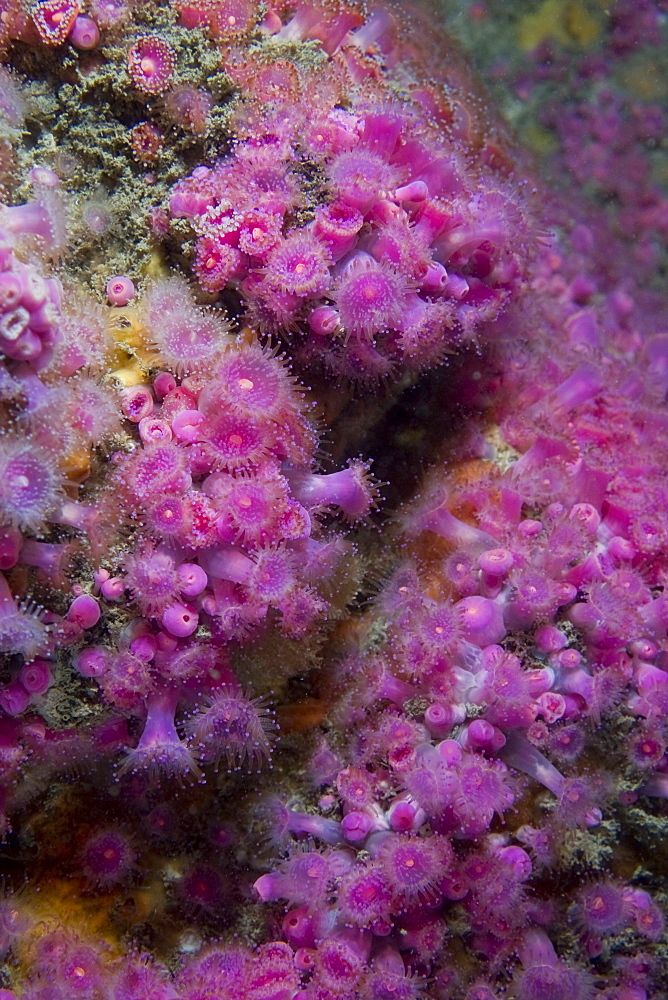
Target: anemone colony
333	511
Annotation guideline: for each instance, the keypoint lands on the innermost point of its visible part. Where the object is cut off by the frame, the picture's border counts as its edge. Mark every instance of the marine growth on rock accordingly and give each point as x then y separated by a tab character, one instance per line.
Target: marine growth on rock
333	502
